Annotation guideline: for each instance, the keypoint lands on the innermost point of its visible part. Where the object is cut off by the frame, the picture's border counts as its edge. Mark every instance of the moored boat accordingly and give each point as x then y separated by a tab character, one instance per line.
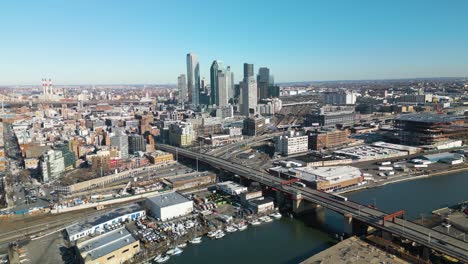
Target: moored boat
196	240
163	259
276	215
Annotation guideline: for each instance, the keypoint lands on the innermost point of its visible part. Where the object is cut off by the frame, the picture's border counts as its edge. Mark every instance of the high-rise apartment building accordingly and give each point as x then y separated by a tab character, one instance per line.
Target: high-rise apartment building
193	79
120	140
182	87
136	143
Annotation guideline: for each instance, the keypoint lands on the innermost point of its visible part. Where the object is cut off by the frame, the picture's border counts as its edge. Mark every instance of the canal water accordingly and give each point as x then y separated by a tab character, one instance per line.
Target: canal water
293	240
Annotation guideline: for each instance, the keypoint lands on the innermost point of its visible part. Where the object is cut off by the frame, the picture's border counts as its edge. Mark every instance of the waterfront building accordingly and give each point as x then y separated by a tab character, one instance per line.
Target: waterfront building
169	206
328	178
97	224
114	247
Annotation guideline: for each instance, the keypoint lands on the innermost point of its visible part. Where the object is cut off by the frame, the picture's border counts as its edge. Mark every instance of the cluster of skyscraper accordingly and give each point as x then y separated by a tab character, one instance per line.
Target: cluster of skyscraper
222	91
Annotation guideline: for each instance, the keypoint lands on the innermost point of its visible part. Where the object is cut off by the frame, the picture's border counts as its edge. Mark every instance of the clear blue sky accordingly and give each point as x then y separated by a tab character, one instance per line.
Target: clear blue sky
136	41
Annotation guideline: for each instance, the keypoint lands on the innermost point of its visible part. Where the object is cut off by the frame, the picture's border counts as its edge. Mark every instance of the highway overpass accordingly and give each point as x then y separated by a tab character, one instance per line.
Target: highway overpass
423	236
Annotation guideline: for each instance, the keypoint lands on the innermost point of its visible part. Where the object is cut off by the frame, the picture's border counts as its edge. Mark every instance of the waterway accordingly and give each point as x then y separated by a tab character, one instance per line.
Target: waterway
293	240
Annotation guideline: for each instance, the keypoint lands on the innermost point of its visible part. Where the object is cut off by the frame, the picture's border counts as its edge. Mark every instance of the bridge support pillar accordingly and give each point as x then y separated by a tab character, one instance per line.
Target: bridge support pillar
354	227
280	199
387	235
426	253
301	206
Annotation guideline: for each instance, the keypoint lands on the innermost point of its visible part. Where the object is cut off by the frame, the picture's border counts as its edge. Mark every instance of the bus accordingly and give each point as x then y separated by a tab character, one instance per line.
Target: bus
341	198
299	184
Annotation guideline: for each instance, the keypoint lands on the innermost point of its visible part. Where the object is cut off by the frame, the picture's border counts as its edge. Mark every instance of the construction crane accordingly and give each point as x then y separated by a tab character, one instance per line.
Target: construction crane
438	109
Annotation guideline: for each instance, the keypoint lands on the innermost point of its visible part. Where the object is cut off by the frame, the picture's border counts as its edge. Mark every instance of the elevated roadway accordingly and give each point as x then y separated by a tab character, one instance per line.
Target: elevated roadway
400	227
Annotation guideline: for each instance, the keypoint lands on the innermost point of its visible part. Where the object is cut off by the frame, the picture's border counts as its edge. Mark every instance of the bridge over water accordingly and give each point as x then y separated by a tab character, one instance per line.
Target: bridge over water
358	215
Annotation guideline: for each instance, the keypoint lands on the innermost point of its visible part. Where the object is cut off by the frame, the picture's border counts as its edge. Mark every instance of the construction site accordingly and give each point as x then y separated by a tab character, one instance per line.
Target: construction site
429	129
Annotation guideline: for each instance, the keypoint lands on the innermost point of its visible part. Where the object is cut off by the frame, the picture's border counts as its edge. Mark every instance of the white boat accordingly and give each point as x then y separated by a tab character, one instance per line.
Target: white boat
196	240
182	245
255	222
158	257
220	235
276	215
163	259
241	227
189	224
213	233
266	219
177	251
231	229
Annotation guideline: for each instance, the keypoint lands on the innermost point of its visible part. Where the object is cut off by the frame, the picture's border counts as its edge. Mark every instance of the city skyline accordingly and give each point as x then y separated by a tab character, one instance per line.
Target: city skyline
146	43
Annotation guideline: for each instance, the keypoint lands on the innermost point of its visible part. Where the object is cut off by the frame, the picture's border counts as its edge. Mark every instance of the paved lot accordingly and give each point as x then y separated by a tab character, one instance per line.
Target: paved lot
51	249
353	250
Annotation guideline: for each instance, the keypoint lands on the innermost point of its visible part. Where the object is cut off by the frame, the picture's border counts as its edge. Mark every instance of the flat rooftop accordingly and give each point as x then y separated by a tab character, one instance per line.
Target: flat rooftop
101	218
396	146
231	185
104	244
167	199
332	174
373	152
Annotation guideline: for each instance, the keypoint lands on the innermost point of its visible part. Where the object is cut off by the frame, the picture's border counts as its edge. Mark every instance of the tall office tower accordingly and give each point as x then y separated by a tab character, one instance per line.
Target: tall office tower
248	70
193	79
203	85
230	88
216	66
182	87
249	96
222	86
263	82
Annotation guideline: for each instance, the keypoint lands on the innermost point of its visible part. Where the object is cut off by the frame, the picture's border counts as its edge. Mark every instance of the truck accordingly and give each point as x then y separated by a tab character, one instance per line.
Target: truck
385	168
385	163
